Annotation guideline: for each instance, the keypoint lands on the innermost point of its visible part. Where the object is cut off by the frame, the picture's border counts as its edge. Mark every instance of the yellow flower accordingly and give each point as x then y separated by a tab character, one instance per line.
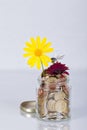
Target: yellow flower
36	51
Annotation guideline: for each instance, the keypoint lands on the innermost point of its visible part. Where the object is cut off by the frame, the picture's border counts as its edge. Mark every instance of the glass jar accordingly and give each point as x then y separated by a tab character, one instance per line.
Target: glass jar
53	102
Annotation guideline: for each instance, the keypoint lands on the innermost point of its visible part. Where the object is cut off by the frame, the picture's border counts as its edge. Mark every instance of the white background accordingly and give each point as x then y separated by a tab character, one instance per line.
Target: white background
64	23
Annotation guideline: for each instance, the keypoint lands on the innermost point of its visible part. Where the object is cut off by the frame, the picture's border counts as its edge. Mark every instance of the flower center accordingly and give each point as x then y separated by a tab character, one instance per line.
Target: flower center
38	52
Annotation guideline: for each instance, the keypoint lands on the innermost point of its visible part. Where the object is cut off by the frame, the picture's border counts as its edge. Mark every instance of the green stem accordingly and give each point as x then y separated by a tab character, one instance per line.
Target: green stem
42	65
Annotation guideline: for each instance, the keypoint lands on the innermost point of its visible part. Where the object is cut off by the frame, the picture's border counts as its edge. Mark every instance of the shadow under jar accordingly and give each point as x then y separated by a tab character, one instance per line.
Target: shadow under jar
53	102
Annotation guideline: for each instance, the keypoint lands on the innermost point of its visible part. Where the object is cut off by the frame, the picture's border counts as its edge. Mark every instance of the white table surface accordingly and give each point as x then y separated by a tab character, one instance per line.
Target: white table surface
19	86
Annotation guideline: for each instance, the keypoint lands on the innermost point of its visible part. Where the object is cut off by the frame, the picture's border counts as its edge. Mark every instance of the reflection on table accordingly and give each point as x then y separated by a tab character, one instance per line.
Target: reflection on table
45	125
42	125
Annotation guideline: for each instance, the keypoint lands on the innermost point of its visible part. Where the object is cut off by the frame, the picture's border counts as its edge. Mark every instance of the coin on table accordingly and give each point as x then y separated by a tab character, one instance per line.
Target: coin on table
61	106
59	95
51	105
28	107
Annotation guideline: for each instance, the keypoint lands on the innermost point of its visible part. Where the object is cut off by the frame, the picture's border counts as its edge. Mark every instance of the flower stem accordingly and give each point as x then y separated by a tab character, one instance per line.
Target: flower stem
42	65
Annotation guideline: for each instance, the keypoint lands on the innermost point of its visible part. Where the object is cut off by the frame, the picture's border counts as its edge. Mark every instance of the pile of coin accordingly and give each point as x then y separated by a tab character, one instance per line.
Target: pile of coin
53	99
58	103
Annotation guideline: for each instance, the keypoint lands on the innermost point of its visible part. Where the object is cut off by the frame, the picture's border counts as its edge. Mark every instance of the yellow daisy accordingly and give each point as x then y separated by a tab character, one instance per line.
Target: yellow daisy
36	51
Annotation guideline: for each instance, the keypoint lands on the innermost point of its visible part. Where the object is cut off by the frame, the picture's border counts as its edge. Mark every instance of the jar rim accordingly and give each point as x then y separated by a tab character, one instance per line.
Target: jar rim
41	79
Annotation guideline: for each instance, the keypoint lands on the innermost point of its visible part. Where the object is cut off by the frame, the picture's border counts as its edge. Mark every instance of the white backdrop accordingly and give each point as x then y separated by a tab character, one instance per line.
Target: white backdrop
63	22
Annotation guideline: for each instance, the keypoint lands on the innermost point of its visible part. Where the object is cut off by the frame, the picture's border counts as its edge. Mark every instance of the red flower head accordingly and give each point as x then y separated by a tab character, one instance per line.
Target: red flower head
57	68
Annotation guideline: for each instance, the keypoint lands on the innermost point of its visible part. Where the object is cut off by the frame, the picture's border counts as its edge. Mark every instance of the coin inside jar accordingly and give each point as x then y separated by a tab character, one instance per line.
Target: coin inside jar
59	95
61	106
51	95
51	80
51	105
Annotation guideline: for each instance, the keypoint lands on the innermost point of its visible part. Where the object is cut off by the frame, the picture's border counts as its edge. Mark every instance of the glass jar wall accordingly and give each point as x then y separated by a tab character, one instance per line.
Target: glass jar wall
53	98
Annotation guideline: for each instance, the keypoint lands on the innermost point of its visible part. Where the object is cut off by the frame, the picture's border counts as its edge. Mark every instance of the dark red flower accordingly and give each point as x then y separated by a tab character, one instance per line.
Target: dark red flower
57	68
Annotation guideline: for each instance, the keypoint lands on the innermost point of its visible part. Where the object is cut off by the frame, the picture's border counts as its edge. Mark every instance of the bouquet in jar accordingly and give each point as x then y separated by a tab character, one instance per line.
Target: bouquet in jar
52	101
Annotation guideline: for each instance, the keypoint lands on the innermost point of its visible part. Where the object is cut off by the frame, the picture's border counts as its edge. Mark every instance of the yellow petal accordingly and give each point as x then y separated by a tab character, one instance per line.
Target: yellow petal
27	55
32	61
38	64
48	50
46	58
45	63
28	44
28	49
43	42
33	42
47	45
38	41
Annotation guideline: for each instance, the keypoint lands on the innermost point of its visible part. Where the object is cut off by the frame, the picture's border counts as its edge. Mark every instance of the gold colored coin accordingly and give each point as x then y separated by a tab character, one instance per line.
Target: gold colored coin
51	105
51	80
28	106
61	106
59	95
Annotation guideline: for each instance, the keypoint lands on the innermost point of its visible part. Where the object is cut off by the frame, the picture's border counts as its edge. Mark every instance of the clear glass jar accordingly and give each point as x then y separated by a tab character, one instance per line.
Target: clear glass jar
53	102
